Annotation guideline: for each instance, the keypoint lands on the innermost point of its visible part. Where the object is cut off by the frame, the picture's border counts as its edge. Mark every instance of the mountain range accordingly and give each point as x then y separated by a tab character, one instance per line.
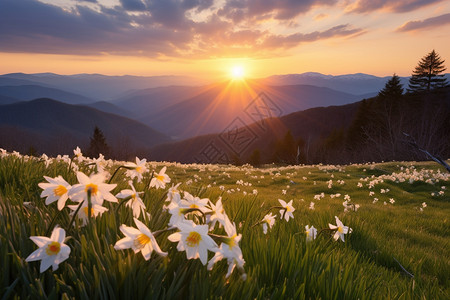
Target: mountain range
187	117
54	127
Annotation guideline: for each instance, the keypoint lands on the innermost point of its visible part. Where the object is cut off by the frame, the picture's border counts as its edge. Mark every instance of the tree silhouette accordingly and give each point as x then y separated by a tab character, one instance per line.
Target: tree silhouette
427	75
98	144
255	158
393	88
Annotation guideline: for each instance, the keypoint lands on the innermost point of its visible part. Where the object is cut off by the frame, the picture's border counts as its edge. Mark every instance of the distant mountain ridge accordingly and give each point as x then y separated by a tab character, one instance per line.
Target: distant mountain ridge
357	84
54	127
31	92
101	87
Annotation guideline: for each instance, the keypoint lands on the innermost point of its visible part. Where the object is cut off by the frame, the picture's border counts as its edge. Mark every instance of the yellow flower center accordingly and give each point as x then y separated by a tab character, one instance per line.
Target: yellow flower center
194	206
60	190
53	248
307	232
133	197
160	177
231	242
288	209
193	239
340	229
86	211
139	169
141	241
92	187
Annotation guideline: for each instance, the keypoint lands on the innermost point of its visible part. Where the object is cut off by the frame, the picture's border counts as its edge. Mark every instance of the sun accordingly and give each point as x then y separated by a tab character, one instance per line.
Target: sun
237	72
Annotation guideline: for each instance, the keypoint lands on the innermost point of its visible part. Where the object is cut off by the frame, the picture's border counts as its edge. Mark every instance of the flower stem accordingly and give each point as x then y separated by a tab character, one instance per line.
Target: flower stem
52	222
114	174
74	215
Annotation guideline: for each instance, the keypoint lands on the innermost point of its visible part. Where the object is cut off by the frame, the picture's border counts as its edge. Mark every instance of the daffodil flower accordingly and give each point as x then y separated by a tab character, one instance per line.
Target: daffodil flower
140	240
287	210
78	154
217	214
310	232
230	250
194	239
95	184
83	212
52	251
55	190
341	229
160	180
136	203
136	169
190	201
268	222
173	194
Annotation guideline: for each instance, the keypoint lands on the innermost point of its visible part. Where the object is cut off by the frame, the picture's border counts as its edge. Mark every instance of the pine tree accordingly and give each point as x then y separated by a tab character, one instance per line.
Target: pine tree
98	144
393	88
427	75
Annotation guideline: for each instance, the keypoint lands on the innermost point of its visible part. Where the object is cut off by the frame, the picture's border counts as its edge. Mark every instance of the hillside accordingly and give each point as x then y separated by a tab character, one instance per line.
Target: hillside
31	92
54	127
310	125
217	106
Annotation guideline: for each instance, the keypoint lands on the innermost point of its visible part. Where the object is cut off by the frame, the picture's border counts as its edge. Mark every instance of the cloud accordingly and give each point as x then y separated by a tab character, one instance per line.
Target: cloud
253	10
156	28
399	6
289	41
425	24
133	5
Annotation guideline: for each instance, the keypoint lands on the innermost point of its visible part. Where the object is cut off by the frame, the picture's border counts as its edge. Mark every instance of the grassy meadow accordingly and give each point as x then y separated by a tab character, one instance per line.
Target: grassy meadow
399	247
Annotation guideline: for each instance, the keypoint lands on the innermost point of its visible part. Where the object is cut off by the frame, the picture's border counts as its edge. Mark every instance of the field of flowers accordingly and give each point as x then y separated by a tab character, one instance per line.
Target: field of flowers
74	227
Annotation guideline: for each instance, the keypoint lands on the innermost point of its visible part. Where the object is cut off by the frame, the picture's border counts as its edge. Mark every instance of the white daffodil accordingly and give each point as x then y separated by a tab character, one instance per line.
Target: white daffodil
52	251
268	220
78	154
95	184
190	201
140	240
173	194
341	229
310	232
194	239
287	210
83	212
136	203
136	169
55	190
160	180
177	212
217	214
230	250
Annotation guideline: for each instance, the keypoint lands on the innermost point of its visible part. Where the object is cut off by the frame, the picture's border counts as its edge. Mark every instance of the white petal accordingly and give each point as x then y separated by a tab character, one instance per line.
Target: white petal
46	263
125	243
40	241
58	235
36	255
174	237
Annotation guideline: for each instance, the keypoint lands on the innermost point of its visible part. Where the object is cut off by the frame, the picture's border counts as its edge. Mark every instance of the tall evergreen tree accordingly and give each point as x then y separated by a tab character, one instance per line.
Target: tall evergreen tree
427	75
393	88
98	144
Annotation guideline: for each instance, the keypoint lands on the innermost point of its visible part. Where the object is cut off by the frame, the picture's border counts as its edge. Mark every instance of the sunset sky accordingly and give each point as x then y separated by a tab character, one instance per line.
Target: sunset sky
207	38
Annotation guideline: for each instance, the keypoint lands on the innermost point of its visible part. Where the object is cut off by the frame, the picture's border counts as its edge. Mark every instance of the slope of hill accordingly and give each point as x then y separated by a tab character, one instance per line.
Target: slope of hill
31	92
310	125
102	87
358	84
213	109
51	127
146	103
8	100
110	108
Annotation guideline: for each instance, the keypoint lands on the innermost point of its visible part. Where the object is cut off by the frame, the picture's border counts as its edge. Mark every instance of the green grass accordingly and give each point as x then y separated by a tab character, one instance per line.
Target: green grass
386	239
